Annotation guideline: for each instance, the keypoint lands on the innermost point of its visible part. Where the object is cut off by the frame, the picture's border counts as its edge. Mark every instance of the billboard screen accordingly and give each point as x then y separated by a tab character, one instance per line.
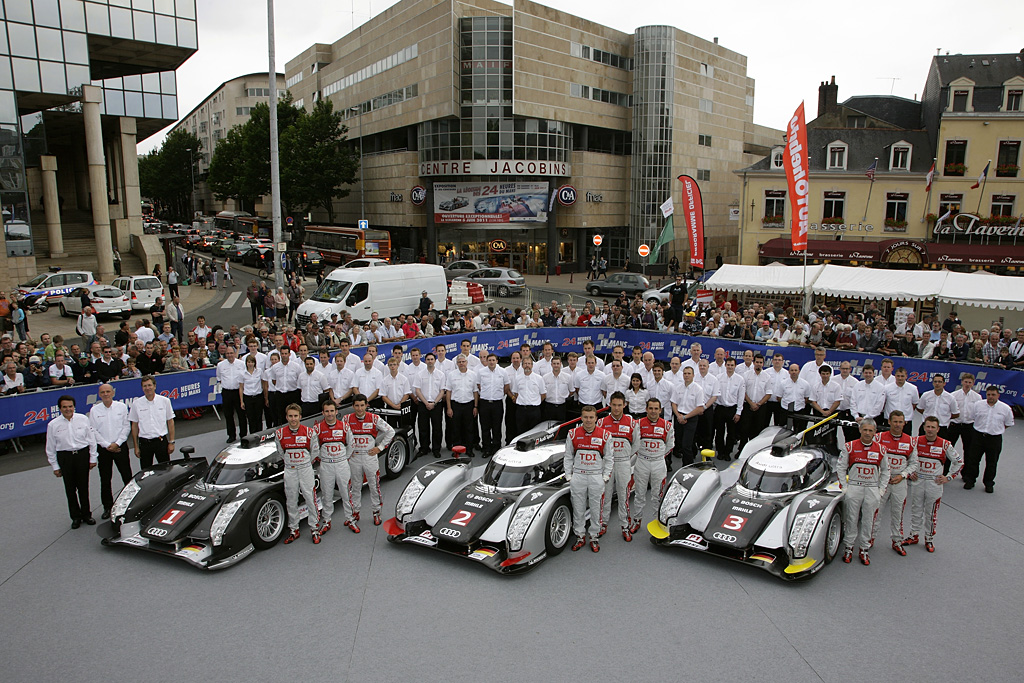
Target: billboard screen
490	202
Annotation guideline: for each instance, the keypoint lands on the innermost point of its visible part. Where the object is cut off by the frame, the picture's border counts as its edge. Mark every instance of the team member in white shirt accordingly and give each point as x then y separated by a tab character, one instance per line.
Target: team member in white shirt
558	384
366	380
588	383
732	388
152	418
748	363
111	427
229	375
778	372
312	383
901	395
71	451
617	380
717	368
793	394
940	403
542	366
712	392
961	426
991	417
758	393
588	353
491	383
809	371
868	397
849	385
253	349
349	360
886	376
286	375
461	401
473	363
647	372
661	389
273	407
529	392
254	393
826	395
394	387
674	373
694	360
687	406
430	387
339	377
636	363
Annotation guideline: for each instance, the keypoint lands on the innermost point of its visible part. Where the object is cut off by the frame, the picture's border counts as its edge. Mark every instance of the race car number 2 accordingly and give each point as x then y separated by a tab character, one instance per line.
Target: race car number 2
734	522
462	517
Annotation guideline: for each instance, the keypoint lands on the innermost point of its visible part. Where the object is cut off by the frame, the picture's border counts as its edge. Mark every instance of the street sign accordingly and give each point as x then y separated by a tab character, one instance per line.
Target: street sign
643	250
282	247
597	240
364	224
289	220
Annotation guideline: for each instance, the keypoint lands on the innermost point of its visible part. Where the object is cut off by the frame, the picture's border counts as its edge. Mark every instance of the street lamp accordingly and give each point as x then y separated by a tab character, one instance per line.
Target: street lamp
192	170
362	180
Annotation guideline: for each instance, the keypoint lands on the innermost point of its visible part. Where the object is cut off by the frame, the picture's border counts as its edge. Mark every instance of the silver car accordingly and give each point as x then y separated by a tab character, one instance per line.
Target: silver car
463	267
105	300
501	282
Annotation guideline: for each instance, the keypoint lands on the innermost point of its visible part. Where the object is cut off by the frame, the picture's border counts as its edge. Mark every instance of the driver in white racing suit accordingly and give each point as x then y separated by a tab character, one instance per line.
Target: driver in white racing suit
656	441
367	435
868	467
334	469
588	466
298	447
901	449
625	436
926	485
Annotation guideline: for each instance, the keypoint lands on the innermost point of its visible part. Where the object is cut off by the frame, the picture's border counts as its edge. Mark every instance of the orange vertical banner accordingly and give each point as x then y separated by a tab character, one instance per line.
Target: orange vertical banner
796	162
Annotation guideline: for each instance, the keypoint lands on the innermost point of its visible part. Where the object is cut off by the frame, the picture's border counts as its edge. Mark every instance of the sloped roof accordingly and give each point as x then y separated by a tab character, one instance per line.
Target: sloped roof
1000	68
899	111
864	144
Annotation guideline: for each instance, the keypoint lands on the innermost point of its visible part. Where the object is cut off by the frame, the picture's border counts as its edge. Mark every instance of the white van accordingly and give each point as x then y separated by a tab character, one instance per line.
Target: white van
387	291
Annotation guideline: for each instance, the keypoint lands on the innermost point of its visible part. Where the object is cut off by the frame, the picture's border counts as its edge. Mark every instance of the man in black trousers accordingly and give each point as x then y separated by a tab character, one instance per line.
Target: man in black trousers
71	451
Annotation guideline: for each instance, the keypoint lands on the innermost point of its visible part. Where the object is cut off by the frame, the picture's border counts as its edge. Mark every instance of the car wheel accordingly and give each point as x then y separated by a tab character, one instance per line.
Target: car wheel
833	536
267	522
558	527
43	306
64	312
593	291
396	457
503	292
125	316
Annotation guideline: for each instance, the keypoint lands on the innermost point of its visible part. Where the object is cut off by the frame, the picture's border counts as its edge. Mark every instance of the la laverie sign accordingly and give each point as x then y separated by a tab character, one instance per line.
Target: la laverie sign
968	224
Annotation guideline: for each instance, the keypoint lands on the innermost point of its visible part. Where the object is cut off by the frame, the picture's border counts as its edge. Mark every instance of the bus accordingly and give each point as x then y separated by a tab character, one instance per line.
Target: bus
341	244
243	224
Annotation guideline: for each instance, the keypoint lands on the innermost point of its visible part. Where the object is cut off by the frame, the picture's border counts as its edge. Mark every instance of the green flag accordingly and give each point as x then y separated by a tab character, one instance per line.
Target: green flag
667	235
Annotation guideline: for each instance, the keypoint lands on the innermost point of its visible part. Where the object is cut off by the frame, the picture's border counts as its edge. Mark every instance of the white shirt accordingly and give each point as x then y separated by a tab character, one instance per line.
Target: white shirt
942	406
65	435
430	384
286	376
709	383
630	367
588	384
732	389
717	370
647	376
340	380
677	377
472	362
529	389
868	399
491	383
609	385
542	366
230	374
152	416
810	372
662	391
758	385
311	385
394	388
558	387
849	385
827	394
252	382
776	378
793	394
583	363
144	334
18	381
262	360
964	402
992	420
461	386
742	368
365	381
445	365
351	362
636	401
411	371
61	373
110	425
688	397
688	363
901	398
885	381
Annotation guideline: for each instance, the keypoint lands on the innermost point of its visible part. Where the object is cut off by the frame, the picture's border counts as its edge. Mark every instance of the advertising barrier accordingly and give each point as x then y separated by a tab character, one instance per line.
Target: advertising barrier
664	346
27	414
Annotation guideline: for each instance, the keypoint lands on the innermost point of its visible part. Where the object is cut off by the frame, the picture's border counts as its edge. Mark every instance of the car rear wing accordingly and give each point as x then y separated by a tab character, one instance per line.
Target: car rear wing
532	440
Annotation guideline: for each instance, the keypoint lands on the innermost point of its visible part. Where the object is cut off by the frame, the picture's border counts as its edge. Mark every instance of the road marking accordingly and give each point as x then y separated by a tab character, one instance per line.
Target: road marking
232	298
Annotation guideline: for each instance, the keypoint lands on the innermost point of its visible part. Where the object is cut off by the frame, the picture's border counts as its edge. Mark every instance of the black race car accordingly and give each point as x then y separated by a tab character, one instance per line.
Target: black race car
212	515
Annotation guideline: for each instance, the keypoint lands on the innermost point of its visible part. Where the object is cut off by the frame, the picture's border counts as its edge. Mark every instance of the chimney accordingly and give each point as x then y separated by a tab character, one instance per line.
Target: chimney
828	98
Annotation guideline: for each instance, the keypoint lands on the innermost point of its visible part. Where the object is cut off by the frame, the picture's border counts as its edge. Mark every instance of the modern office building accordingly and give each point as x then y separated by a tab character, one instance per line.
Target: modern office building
969	119
515	134
81	82
227	106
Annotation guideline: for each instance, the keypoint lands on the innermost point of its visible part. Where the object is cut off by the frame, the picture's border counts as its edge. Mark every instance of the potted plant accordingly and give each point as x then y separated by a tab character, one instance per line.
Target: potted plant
932	218
834	220
895	224
955	168
773	221
1007	170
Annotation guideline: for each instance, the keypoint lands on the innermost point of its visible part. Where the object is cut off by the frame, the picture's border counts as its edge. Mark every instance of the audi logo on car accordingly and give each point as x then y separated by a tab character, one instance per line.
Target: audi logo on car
154	531
445	531
726	538
418	195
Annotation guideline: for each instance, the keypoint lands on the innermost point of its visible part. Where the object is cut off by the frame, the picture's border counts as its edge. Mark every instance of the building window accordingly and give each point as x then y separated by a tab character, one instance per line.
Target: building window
834	205
774	209
402	56
960	99
777	161
1013	98
706	70
202	126
956	158
257	92
856	121
837	156
704	140
1002	204
599	95
896	212
244	111
900	157
1008	161
297	78
706	106
602	56
949	203
703	174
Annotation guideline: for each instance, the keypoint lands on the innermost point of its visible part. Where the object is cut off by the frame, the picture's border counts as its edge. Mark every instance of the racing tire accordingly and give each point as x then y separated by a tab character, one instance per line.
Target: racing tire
558	528
268	521
503	292
64	312
396	458
833	535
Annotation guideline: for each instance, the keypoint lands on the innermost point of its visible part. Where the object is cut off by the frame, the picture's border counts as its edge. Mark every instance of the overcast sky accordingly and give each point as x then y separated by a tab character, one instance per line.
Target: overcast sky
870	47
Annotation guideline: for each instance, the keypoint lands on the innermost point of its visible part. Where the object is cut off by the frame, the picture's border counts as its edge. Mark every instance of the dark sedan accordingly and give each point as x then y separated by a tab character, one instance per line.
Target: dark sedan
630	283
258	257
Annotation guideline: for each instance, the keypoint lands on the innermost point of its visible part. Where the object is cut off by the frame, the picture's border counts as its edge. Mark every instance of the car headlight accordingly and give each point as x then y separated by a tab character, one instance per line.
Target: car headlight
520	523
223	518
800	534
124	499
672	501
410	495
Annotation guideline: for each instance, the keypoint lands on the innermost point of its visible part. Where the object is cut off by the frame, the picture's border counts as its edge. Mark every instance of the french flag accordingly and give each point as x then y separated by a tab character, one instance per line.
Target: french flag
981	178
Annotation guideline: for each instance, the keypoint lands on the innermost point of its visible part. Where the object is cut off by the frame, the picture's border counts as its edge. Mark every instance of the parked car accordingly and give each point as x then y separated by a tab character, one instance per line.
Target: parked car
222	246
630	283
257	257
463	267
55	285
105	300
238	251
207	243
501	282
142	290
312	260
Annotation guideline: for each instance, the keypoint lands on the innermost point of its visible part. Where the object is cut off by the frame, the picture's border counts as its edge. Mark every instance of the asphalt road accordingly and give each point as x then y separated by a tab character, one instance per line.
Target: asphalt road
358	608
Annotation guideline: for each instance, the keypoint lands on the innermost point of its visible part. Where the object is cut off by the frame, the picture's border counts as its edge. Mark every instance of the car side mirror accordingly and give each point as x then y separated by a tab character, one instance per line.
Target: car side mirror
187	451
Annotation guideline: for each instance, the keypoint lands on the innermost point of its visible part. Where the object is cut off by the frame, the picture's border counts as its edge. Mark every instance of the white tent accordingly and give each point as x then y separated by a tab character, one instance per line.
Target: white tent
983	289
773	279
879	283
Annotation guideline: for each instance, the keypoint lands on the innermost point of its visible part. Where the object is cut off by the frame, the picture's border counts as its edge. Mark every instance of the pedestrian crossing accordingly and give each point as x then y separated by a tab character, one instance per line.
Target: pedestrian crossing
233	299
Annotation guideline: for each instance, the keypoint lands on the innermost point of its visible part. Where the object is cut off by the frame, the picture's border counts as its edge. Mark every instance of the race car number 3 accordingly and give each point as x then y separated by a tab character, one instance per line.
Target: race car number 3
734	522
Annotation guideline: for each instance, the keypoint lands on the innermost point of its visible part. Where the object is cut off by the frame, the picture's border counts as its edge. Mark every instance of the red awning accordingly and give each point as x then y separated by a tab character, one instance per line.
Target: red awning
976	254
779	248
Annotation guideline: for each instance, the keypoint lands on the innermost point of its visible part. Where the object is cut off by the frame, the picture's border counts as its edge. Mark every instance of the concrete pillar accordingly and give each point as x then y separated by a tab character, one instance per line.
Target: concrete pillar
132	196
91	98
51	205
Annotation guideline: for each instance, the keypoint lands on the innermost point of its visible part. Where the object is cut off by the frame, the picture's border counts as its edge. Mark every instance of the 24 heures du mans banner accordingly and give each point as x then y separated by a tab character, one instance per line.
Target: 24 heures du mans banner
795	161
693	215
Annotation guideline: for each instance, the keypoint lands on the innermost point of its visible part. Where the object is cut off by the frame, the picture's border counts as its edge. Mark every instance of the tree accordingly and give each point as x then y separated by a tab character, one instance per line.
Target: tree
165	174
